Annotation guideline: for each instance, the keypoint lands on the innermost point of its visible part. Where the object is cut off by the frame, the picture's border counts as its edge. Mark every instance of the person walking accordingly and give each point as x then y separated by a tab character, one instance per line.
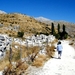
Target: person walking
59	49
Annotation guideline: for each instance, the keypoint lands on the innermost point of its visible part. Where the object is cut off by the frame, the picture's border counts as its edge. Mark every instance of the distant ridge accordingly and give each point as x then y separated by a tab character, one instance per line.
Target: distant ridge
2	12
49	21
45	20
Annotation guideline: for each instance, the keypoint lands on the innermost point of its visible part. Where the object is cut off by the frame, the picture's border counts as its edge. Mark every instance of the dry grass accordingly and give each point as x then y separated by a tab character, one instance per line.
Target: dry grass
19	68
53	42
42	56
33	52
24	66
16	54
3	64
26	23
38	62
8	32
5	61
50	50
35	59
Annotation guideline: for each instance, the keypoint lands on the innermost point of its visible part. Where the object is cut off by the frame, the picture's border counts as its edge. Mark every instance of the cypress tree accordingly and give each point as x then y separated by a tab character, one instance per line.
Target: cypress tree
64	33
64	28
58	28
52	29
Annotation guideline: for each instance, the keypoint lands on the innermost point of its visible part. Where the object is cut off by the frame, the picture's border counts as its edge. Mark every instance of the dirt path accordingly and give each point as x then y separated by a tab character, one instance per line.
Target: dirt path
63	66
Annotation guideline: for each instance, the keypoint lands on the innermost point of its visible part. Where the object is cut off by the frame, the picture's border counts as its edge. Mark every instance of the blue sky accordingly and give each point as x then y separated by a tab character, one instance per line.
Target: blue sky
51	9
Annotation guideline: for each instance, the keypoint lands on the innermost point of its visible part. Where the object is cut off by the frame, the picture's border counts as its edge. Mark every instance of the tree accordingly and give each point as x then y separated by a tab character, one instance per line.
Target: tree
58	28
64	28
64	33
52	29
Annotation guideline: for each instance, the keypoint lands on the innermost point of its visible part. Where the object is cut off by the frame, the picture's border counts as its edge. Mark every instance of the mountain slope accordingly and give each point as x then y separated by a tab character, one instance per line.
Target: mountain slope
70	27
26	23
30	25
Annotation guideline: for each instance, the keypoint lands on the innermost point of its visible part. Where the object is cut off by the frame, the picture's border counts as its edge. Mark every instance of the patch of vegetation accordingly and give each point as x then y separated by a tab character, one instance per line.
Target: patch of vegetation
59	34
50	50
20	34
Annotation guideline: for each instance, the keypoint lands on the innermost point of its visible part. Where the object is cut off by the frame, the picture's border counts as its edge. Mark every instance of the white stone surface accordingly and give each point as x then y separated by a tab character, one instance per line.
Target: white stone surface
1	72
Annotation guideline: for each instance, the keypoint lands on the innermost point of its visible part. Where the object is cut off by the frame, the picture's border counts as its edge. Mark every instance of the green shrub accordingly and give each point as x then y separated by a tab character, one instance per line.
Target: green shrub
20	34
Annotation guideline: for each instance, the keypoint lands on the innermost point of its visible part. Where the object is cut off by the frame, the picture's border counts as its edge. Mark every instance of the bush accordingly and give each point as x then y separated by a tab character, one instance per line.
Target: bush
20	34
57	36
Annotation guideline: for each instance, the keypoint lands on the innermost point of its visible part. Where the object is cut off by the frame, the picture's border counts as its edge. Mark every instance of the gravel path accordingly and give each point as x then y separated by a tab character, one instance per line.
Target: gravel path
63	66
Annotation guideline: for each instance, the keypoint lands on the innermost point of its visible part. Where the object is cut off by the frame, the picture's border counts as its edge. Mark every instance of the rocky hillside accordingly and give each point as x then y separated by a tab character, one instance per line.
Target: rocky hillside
12	23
